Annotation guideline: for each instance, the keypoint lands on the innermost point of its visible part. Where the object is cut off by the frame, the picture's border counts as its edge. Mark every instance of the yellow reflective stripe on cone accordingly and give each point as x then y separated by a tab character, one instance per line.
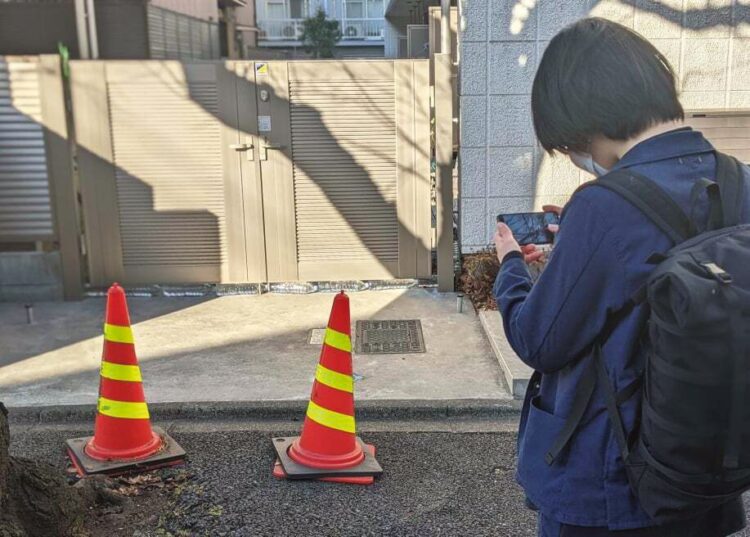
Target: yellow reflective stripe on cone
127	373
122	409
338	340
329	418
334	379
118	334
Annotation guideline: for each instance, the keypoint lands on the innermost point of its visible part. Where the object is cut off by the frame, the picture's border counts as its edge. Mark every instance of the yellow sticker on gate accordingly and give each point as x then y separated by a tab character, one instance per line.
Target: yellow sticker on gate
261	68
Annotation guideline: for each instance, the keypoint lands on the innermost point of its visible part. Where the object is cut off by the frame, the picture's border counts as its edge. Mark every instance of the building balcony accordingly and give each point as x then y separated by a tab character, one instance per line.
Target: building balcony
289	31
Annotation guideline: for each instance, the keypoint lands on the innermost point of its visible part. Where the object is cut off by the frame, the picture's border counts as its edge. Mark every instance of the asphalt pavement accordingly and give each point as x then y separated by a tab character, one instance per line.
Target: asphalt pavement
435	483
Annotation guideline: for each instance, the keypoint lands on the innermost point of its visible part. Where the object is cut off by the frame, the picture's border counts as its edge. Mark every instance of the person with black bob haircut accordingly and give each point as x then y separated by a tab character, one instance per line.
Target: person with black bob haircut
606	98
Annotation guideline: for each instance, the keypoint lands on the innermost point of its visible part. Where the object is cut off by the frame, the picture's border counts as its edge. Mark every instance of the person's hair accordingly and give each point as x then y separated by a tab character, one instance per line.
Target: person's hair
598	77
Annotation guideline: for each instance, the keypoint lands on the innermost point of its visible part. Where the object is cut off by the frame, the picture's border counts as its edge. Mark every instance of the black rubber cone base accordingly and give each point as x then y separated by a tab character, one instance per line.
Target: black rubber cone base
293	470
171	454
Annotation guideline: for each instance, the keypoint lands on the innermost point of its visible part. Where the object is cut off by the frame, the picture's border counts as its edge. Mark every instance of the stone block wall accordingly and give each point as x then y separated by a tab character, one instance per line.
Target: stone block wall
501	167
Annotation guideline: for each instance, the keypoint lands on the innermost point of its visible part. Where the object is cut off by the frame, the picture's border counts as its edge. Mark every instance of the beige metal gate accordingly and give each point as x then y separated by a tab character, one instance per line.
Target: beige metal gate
247	172
727	131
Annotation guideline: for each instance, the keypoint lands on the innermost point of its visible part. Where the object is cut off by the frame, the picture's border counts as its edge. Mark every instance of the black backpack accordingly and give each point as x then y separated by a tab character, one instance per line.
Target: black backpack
690	450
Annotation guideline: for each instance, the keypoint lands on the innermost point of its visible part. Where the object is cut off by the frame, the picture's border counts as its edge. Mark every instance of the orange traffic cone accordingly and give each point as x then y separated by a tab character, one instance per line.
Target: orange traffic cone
328	447
123	437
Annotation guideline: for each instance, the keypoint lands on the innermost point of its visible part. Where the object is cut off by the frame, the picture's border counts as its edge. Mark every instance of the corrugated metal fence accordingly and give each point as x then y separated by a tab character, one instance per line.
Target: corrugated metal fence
25	209
173	35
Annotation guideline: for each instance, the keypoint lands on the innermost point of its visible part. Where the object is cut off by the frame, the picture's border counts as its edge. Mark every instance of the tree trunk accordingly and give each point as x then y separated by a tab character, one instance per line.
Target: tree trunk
35	499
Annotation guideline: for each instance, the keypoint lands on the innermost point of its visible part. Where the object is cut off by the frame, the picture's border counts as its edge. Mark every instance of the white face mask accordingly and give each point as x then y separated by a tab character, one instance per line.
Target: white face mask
587	163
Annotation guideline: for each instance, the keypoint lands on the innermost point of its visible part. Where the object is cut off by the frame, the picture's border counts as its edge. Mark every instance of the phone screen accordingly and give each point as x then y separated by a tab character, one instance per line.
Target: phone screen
530	228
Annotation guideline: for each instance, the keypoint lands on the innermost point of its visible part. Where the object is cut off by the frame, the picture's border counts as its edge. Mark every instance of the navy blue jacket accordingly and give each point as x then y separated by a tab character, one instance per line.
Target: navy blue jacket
598	263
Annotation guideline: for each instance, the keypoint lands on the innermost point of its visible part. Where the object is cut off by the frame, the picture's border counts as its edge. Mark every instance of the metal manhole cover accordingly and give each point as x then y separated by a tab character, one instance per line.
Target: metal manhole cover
389	337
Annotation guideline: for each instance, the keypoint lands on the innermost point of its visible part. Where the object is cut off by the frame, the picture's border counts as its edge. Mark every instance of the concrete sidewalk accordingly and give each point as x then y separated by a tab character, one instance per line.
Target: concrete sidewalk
242	348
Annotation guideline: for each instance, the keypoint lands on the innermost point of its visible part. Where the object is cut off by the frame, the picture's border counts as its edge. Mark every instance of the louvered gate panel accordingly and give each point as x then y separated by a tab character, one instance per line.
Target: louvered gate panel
167	152
727	131
25	210
345	175
156	33
183	37
171	37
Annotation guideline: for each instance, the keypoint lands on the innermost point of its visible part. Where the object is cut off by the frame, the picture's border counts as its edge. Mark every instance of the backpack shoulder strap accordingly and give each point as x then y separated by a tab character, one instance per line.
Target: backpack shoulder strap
730	180
650	199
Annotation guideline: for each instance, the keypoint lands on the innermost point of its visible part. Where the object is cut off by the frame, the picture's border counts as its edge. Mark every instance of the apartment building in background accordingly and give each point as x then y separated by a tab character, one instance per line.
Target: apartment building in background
362	24
130	29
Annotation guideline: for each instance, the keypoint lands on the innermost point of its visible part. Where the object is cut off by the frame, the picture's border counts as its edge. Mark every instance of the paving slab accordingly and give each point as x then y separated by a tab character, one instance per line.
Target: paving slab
242	348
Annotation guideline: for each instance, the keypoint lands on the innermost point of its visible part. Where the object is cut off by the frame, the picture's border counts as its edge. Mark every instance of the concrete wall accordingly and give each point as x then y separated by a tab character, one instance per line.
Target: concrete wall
502	169
246	18
30	276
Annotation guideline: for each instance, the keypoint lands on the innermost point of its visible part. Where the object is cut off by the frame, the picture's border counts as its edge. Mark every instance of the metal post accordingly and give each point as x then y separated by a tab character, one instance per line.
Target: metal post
93	38
231	20
445	26
444	162
443	80
54	93
82	30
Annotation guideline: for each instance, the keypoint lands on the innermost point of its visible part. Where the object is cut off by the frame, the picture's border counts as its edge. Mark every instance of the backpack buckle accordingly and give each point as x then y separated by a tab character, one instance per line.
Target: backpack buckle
721	275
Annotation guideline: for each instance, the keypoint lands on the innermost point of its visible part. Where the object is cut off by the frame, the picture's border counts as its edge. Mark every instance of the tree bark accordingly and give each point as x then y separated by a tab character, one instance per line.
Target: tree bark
35	499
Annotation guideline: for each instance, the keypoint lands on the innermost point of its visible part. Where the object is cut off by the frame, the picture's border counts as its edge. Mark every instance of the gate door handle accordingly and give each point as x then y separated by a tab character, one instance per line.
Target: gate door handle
266	147
241	147
246	147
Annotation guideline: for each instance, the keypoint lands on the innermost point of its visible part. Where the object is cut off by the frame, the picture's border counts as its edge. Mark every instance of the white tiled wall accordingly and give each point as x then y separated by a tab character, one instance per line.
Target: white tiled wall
502	169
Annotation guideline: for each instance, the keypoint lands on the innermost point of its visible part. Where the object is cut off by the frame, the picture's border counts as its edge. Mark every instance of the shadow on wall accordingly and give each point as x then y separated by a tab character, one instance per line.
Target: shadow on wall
170	215
357	179
342	156
83	320
693	19
320	152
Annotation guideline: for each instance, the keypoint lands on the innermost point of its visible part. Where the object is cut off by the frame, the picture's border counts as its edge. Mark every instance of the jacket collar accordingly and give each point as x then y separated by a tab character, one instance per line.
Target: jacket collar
668	145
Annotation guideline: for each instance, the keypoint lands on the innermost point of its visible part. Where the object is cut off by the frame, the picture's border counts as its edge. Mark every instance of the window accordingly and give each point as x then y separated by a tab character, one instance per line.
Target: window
276	10
297	9
355	10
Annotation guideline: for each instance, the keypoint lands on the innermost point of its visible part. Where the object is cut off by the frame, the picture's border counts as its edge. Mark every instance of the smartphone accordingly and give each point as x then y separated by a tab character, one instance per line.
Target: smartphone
530	228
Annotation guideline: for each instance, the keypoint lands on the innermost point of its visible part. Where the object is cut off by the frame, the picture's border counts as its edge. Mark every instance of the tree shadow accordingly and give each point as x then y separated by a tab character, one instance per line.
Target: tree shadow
695	18
341	146
355	177
270	358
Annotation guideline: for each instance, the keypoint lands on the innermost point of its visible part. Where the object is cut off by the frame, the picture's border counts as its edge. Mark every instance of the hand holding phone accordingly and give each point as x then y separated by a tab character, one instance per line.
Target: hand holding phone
554	228
531	228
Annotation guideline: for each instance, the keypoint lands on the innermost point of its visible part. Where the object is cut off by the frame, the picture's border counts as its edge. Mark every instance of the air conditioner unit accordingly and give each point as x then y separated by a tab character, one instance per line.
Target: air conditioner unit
353	31
289	32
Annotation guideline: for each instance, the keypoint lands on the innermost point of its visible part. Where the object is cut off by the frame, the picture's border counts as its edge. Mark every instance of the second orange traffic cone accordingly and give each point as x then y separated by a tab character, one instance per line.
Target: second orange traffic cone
328	447
123	437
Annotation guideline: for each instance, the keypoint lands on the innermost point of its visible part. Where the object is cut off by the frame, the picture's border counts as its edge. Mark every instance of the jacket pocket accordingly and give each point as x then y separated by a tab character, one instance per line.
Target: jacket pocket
542	482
